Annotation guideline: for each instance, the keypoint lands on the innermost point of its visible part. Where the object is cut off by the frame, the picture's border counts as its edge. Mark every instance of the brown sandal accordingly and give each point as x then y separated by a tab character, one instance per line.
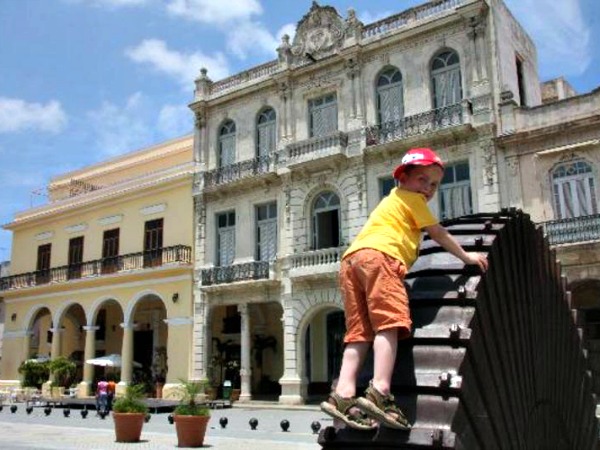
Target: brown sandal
342	408
382	408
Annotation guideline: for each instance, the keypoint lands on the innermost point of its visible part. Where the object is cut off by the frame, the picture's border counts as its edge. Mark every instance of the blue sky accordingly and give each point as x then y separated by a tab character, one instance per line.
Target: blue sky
82	81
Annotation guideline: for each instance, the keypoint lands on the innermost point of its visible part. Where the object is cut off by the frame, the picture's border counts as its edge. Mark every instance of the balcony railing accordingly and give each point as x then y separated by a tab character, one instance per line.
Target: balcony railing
436	119
316	263
237	171
256	270
313	148
180	254
411	16
578	229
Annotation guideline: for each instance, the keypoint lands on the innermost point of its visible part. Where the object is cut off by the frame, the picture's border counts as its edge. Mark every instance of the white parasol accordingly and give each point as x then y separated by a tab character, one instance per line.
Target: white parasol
112	360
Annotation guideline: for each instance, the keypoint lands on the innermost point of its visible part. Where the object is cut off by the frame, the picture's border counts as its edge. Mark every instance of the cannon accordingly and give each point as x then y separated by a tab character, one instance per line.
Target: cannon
495	360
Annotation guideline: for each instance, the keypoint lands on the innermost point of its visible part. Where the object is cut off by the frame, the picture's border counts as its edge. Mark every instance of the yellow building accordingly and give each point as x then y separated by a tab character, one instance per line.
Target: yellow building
106	268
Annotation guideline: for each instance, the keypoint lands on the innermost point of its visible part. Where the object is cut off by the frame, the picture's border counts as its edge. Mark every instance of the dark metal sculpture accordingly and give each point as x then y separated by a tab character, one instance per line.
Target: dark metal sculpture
496	360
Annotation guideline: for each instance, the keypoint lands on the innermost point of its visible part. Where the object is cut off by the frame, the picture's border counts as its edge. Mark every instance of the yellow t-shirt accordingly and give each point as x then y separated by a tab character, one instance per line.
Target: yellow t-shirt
394	227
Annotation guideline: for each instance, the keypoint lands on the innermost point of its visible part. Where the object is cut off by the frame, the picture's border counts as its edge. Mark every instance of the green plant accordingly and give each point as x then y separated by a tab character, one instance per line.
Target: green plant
188	405
34	373
132	401
63	370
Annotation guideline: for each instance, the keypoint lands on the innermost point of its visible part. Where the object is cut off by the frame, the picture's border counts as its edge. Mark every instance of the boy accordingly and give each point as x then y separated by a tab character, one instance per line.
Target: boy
375	300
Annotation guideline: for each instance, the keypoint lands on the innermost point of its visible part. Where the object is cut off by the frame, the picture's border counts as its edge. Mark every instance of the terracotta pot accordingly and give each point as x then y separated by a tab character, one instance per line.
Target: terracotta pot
190	430
235	394
128	426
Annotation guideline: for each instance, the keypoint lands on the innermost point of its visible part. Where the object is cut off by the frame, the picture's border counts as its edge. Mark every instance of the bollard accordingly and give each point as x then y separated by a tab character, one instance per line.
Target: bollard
285	425
315	426
253	423
223	422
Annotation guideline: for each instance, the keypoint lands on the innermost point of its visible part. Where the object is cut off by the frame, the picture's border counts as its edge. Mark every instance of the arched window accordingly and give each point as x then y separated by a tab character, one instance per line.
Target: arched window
227	144
326	220
574	190
266	136
445	79
390	100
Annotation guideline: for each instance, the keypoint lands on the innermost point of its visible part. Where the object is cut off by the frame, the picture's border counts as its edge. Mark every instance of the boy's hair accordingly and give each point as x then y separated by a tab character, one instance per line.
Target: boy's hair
417	157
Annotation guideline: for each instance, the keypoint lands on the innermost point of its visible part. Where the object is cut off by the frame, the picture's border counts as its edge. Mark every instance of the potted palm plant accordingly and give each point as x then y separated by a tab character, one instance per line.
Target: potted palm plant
129	412
191	418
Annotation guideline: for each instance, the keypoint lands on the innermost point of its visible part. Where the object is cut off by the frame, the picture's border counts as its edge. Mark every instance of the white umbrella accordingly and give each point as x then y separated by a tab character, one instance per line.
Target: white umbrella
112	360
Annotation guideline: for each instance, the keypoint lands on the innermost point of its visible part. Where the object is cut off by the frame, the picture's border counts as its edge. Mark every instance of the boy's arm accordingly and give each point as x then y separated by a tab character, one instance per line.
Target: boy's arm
440	235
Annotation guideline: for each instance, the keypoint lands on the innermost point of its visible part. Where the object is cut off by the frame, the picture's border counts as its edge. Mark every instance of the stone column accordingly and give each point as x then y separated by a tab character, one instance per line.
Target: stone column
293	387
179	347
84	388
126	358
56	341
26	343
246	368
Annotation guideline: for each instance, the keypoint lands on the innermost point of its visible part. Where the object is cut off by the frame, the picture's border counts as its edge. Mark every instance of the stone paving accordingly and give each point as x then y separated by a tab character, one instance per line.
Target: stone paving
20	431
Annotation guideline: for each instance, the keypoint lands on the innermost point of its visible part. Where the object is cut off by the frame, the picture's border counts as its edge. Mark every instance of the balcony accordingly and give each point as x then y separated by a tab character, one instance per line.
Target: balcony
430	121
166	256
316	263
314	152
255	270
233	173
575	230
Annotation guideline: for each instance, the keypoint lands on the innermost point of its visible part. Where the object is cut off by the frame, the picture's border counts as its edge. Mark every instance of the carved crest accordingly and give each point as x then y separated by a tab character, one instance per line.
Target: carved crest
319	33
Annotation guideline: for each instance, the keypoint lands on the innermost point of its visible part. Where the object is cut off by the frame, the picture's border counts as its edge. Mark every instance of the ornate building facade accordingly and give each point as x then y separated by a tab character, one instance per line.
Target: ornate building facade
295	153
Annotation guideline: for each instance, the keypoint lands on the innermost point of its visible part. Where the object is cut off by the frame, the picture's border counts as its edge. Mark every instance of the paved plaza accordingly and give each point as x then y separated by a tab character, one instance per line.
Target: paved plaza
20	431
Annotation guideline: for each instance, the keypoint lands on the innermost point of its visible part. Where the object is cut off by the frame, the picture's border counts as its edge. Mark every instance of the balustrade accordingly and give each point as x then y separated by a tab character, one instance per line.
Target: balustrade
255	270
134	261
577	229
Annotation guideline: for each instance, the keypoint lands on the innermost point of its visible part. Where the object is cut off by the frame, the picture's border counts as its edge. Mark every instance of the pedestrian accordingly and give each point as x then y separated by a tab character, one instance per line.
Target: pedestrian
111	387
102	396
372	285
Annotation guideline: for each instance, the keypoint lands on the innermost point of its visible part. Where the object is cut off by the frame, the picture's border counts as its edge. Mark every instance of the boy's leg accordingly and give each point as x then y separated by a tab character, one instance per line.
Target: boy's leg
352	360
378	402
385	347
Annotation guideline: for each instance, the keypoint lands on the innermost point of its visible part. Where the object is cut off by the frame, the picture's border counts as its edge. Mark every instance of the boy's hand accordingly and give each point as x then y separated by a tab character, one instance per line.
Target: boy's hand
478	259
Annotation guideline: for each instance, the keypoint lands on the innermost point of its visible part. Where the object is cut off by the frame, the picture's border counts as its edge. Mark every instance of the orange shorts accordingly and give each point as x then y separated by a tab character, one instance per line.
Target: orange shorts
375	299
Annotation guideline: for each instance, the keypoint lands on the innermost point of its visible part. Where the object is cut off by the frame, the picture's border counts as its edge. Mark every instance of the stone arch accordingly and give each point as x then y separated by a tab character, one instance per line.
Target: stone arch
62	310
306	308
309	201
129	310
93	310
32	313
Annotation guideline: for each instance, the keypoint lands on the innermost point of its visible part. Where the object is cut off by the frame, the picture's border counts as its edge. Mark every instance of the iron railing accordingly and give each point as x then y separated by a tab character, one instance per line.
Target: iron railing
237	171
436	119
181	254
577	229
256	270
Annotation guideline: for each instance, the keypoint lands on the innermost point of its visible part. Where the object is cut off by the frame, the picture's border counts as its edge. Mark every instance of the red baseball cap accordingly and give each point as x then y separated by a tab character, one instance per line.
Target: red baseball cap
418	157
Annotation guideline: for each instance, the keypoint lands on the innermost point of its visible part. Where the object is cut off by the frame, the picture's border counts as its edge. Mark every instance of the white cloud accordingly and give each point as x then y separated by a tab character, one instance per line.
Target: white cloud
251	36
183	68
560	32
175	120
19	115
368	17
289	29
121	129
212	11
